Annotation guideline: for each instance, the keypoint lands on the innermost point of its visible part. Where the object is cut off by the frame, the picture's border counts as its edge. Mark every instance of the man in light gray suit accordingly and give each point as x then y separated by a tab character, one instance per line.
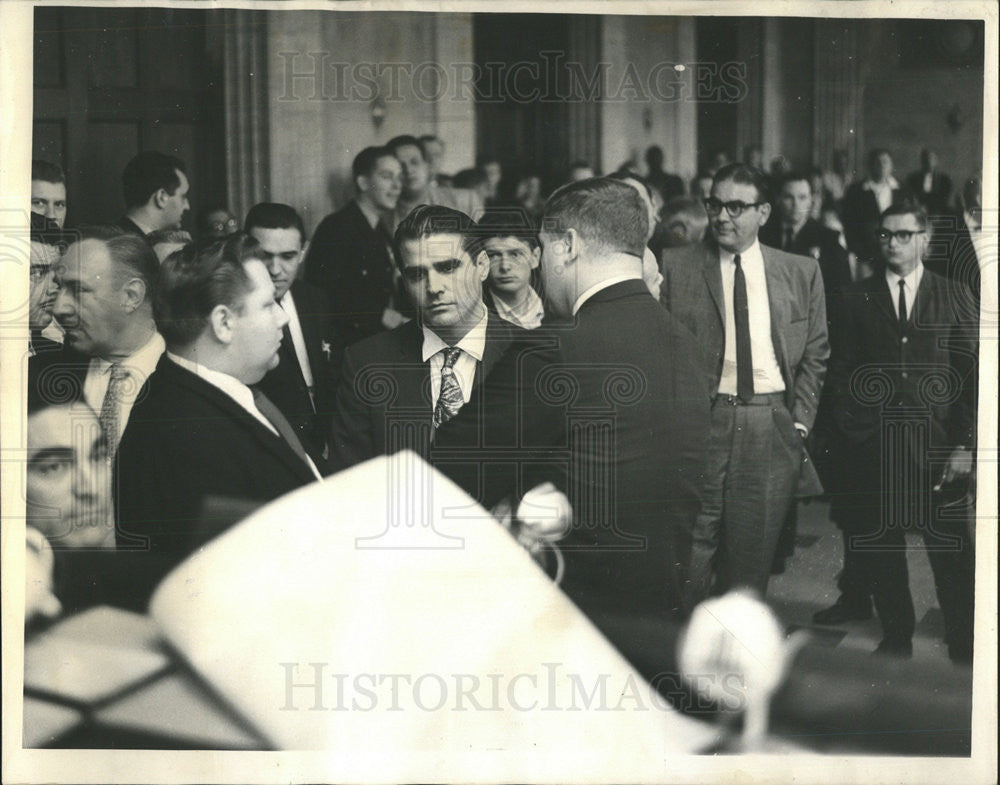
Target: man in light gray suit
760	318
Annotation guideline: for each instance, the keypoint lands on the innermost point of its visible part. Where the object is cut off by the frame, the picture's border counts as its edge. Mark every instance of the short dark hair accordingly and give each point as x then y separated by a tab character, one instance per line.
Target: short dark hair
794	177
469	178
511	221
626	174
875	154
907	207
744	174
48	172
405	140
194	281
429	219
365	162
604	211
684	205
654	156
274	215
128	251
147	173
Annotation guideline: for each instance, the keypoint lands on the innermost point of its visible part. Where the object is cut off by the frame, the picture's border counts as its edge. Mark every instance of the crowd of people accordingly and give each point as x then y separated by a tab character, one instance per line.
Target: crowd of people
676	363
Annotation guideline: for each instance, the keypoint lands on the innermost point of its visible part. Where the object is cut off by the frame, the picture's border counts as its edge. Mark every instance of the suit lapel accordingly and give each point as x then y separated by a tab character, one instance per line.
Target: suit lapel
778	298
713	277
883	299
267	440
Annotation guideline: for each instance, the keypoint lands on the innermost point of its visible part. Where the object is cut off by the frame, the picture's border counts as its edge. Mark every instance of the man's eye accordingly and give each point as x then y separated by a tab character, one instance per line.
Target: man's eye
414	274
495	258
448	266
287	257
49	467
38	203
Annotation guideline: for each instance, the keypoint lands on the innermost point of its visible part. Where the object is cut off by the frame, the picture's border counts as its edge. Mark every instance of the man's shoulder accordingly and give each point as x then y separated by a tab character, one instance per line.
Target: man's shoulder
349	215
793	262
385	344
684	257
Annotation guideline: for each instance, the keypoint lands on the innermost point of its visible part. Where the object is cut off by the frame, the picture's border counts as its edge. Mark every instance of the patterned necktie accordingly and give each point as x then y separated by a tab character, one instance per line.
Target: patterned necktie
744	357
450	398
277	419
902	304
111	407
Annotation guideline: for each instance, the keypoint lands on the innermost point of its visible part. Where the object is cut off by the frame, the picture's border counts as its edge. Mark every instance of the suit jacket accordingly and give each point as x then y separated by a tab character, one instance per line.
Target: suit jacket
692	291
637	413
128	225
286	386
823	245
934	201
383	405
185	441
351	262
929	367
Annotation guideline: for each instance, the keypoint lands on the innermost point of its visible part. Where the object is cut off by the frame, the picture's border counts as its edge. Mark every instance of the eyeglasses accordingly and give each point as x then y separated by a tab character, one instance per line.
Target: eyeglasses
222	226
735	208
903	236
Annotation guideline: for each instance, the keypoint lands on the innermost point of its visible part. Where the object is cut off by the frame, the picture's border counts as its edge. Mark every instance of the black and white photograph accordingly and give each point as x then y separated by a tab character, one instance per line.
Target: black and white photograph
499	393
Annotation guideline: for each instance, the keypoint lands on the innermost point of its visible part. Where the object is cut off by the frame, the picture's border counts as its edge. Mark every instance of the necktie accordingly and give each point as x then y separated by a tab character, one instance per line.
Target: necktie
277	419
788	238
744	358
110	417
450	398
902	304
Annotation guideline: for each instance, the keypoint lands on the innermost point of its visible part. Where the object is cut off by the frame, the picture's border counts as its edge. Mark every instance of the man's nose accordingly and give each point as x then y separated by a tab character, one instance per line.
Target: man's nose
282	317
62	305
435	282
89	478
273	267
50	211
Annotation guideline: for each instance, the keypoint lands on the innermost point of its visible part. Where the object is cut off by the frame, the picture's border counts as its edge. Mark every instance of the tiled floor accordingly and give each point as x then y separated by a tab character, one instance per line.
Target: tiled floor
809	584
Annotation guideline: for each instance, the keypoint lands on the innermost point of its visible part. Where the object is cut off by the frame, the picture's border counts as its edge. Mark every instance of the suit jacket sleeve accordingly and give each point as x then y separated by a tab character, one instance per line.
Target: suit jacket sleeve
811	370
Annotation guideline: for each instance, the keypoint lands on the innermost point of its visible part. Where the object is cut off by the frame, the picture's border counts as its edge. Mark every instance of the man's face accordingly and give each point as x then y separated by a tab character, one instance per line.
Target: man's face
384	184
44	288
511	263
220	224
444	281
416	173
68	476
881	167
281	251
90	305
49	199
558	281
257	327
795	202
737	234
435	154
902	257
176	204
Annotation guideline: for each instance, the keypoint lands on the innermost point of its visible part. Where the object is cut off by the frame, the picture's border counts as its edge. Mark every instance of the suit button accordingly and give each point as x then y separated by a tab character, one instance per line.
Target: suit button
904	339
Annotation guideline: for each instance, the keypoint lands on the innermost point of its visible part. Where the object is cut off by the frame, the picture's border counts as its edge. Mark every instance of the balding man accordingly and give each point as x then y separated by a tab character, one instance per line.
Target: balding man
104	304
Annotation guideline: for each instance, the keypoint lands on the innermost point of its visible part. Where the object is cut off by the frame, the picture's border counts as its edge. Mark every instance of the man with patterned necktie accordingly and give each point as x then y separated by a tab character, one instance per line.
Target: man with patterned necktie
402	389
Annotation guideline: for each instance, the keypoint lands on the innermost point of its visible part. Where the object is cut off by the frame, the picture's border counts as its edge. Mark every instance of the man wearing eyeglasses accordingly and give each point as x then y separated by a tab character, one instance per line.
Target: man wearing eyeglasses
428	383
760	317
902	379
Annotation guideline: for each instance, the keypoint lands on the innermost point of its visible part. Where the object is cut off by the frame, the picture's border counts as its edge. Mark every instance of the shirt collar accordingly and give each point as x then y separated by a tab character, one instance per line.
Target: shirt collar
530	311
230	385
288	304
143	359
600	286
750	256
474	341
912	279
871	185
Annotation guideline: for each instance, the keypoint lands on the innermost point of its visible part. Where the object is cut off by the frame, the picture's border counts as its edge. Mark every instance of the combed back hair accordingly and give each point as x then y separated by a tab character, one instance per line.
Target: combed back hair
607	213
147	173
193	281
365	162
907	207
405	140
511	221
427	219
48	172
794	177
274	215
744	174
625	174
132	254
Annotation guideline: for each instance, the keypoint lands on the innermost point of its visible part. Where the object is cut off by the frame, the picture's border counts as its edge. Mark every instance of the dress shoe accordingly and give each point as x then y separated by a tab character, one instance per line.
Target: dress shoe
894	648
844	610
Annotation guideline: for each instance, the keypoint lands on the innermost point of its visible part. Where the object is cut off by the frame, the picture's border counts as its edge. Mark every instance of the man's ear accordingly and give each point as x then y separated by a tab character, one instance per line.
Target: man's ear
222	320
574	244
160	197
133	294
362	183
536	257
765	213
483	263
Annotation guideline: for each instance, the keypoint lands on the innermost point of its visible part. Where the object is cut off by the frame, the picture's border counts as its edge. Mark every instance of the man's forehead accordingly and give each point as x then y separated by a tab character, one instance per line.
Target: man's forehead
278	240
433	248
507	242
387	162
734	190
48	188
903	221
409	151
184	181
796	187
85	258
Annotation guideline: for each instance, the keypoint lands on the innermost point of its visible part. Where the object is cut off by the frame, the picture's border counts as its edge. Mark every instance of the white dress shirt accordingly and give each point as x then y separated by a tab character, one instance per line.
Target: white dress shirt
766	372
911	283
138	366
236	390
298	342
472	345
883	192
528	314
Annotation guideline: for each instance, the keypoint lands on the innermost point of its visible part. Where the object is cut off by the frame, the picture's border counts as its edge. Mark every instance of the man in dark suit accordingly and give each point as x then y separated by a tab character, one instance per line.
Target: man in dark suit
200	430
303	384
760	317
637	408
864	201
350	256
155	187
428	385
901	383
930	187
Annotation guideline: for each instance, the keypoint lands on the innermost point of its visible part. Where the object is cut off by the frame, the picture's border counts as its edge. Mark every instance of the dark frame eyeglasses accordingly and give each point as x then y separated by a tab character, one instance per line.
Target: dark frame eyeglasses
735	208
903	236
